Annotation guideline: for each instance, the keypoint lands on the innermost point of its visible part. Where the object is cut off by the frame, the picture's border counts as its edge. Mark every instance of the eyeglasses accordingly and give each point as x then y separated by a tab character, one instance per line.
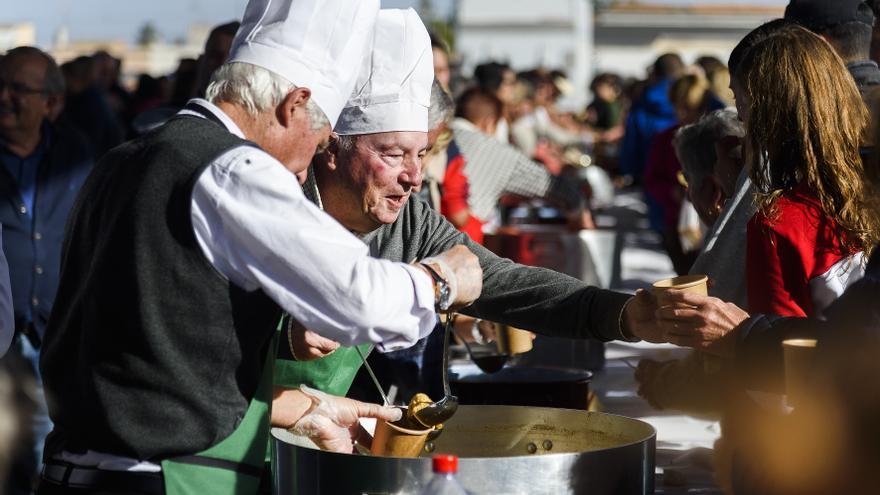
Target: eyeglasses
20	89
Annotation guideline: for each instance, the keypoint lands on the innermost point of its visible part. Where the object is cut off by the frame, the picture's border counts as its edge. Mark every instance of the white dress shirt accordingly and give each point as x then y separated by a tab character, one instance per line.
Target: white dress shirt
7	317
255	225
257	228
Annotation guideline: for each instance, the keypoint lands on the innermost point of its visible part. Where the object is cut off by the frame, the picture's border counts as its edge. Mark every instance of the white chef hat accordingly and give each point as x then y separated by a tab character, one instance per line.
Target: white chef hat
393	91
315	44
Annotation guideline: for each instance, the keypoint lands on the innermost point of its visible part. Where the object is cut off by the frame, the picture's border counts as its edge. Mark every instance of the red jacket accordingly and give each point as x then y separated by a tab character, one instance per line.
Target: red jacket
796	262
455	198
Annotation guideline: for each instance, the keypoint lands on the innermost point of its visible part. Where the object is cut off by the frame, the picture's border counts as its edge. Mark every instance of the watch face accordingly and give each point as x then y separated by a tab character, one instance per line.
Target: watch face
444	301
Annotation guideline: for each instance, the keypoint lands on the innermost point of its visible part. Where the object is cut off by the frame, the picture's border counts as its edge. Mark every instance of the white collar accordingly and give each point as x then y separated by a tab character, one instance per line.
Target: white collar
230	125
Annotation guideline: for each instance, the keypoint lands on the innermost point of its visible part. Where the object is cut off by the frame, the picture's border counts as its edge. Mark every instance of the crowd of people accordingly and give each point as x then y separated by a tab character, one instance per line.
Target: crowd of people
215	249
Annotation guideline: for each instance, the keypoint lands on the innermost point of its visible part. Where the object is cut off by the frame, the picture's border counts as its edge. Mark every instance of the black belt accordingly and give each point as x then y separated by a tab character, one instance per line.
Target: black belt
72	476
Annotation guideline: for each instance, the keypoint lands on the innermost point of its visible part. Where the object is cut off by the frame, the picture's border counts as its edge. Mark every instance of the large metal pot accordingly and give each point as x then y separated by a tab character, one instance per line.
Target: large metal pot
502	449
522	386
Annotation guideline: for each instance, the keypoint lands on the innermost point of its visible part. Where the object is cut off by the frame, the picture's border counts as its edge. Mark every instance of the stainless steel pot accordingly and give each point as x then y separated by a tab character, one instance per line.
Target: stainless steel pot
502	450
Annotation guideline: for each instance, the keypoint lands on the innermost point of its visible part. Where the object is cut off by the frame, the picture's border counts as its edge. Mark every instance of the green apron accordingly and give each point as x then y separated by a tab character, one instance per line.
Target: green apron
236	465
332	374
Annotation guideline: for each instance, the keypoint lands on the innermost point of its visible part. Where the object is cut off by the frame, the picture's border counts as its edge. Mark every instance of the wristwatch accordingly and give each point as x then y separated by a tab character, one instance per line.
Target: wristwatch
441	289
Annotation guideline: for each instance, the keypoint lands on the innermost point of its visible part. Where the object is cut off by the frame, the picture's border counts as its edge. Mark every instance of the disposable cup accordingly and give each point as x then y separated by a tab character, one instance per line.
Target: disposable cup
513	340
391	440
695	284
798	355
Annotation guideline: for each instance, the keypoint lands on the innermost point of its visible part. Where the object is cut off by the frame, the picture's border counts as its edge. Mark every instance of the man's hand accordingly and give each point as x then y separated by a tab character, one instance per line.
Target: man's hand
465	267
306	345
639	319
332	422
703	325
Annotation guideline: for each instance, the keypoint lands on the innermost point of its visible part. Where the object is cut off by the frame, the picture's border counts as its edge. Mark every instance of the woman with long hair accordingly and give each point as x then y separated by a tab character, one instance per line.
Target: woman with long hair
804	124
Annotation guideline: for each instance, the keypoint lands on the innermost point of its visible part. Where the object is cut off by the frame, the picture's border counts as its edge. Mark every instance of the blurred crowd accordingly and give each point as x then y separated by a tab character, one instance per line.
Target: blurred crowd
756	172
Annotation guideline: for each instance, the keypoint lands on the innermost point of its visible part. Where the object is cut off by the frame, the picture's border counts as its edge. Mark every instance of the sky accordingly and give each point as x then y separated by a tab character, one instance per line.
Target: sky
122	19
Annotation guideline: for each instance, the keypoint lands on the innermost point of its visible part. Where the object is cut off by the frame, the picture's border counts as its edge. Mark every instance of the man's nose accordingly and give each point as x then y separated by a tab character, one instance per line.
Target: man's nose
412	175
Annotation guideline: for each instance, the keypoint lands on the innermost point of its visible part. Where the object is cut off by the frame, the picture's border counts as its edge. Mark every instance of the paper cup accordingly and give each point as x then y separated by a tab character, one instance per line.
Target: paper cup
695	284
393	441
798	363
513	340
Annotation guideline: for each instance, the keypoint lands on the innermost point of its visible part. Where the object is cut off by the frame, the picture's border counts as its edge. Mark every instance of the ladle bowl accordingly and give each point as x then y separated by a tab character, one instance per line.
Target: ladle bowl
488	362
437	412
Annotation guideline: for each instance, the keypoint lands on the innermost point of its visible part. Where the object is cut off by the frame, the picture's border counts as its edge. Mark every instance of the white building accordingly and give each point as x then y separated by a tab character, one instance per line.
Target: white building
527	34
629	37
625	37
20	34
155	59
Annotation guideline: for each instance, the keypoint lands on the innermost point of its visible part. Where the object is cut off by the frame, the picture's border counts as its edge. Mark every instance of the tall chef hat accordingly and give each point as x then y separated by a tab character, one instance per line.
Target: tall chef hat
393	91
315	44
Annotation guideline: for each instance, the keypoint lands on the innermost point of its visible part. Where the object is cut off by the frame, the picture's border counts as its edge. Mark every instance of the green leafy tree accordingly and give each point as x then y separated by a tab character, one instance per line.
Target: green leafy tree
148	34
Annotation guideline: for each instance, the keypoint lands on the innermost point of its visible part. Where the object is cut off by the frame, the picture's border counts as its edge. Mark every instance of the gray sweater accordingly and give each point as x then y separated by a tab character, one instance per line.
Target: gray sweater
536	299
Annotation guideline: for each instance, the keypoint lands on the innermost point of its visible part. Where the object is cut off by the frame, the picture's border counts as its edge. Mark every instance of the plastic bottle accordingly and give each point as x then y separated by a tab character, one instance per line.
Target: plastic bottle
444	481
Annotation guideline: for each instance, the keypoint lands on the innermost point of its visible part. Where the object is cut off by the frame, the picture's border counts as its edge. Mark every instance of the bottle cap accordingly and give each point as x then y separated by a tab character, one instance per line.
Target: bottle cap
445	464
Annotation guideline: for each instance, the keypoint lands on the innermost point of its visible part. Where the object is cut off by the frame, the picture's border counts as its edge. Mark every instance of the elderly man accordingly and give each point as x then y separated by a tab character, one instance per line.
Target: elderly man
390	108
185	247
43	167
365	179
710	154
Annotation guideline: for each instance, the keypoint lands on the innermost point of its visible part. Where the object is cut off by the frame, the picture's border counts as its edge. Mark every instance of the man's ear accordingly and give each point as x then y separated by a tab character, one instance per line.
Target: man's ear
331	154
293	106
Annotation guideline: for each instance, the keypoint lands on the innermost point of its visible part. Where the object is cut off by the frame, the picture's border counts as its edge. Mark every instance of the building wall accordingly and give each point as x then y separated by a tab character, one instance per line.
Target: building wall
624	39
615	51
553	34
13	35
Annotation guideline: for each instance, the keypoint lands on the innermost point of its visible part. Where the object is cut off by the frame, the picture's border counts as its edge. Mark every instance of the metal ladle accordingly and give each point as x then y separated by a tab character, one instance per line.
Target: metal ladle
488	363
439	412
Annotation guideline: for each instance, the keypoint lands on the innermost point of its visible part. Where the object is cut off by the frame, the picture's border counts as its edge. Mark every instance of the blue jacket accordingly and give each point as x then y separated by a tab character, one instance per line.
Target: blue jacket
32	239
650	114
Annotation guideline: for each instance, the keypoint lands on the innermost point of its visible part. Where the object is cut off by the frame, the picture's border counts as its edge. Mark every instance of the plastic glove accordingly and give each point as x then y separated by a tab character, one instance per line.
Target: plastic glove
332	422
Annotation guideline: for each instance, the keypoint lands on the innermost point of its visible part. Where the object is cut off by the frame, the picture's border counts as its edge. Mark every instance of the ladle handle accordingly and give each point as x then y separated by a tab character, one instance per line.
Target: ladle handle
372	376
450	321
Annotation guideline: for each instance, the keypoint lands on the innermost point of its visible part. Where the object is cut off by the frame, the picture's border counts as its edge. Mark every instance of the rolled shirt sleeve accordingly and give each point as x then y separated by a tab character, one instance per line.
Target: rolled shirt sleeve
256	227
537	299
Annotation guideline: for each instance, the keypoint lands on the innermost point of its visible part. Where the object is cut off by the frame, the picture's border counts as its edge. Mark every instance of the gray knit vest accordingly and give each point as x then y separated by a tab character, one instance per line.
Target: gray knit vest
150	353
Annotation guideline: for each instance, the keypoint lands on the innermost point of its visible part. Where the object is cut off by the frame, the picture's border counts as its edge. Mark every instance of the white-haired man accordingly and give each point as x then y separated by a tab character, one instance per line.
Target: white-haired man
365	179
184	249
